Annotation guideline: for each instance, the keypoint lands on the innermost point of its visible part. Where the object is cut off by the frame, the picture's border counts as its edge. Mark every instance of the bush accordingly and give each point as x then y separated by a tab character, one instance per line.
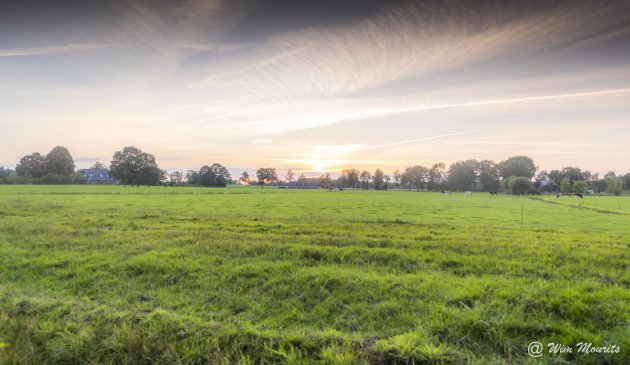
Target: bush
565	185
520	185
580	187
506	184
57	179
614	185
12	178
517	185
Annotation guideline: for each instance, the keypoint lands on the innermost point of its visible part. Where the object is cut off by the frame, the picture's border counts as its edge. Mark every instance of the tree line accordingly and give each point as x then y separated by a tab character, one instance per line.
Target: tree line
56	167
515	175
129	166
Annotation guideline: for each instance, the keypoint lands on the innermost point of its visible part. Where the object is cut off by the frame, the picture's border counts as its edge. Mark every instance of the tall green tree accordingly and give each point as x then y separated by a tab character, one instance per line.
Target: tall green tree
192	177
365	179
349	178
379	179
555	175
267	175
244	179
59	161
5	175
626	181
397	178
216	175
573	173
614	184
598	185
565	185
517	166
416	176
580	187
289	176
31	166
176	178
462	175
488	175
436	176
131	166
325	181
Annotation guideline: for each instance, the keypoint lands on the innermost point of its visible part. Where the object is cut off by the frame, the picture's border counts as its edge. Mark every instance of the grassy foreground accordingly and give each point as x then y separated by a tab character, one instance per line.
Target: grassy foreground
93	274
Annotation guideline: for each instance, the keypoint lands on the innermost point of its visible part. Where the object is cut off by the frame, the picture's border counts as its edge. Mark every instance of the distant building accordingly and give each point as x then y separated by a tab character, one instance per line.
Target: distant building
97	176
549	186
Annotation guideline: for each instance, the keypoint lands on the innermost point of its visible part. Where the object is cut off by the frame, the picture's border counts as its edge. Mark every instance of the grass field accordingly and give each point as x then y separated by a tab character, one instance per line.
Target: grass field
605	204
92	274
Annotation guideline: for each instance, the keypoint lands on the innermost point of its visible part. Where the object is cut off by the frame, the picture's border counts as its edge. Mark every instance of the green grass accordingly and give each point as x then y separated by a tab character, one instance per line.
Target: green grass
108	274
604	204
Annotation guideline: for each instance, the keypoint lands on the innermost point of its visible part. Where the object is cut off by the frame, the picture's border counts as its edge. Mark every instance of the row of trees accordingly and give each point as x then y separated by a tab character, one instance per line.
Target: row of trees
8	176
56	167
216	175
517	175
57	161
461	175
131	166
574	180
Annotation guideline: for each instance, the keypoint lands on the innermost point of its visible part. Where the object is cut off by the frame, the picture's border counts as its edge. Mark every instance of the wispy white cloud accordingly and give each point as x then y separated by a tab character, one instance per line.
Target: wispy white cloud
554	144
305	115
416	140
399	44
598	38
326	151
213	47
38	51
309	78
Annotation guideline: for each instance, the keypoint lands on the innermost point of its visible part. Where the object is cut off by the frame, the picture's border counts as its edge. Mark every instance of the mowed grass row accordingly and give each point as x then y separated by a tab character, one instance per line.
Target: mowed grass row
604	204
93	274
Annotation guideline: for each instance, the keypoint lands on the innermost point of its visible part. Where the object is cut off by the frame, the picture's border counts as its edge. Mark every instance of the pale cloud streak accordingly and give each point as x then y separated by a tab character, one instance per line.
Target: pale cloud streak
322	113
39	51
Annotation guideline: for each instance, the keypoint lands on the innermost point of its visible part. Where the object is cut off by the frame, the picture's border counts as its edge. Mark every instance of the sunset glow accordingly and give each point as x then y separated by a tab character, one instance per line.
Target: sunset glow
365	85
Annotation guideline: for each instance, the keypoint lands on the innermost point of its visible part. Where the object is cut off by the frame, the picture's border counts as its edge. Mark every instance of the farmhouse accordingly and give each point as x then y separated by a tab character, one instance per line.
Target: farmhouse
549	186
97	176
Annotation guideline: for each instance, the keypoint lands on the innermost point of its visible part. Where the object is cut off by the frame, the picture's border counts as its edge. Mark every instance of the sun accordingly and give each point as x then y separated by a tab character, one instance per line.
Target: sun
325	157
318	164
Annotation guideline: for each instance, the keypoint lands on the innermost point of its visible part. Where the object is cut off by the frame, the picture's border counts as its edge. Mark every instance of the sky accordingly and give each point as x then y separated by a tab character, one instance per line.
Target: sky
318	86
